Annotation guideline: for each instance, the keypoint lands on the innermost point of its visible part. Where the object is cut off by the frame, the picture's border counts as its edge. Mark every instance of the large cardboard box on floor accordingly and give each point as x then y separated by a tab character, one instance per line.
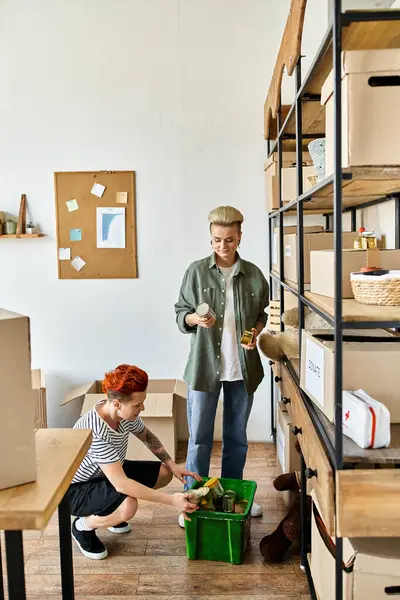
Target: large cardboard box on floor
288	229
322	269
289	187
17	438
371	364
370	115
287	457
312	241
164	414
372	564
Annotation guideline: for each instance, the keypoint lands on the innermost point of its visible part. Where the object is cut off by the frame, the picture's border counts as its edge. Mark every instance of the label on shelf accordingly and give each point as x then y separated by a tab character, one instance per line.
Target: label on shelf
280	446
288	250
314	380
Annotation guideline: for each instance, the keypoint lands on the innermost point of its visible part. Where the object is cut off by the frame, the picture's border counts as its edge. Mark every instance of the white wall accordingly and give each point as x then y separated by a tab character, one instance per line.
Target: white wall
173	89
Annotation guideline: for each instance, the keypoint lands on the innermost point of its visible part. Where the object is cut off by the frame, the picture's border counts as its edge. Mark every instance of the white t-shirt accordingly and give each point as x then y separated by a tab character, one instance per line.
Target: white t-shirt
230	365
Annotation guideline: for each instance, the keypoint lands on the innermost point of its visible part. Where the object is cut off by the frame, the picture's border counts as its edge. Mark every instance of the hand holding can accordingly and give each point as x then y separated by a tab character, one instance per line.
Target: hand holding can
205	315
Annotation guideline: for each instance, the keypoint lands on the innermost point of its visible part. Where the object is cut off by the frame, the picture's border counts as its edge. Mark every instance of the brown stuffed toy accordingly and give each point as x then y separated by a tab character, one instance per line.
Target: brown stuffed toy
286	344
273	547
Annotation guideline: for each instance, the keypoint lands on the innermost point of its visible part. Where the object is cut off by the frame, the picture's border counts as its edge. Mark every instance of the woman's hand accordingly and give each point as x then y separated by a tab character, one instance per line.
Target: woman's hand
180	472
252	344
192	320
182	505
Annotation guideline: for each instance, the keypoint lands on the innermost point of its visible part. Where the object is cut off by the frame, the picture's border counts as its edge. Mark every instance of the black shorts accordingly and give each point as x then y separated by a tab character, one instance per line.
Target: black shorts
99	497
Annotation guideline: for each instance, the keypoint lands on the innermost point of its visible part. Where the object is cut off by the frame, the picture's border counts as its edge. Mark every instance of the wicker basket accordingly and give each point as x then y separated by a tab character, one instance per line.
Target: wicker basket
379	293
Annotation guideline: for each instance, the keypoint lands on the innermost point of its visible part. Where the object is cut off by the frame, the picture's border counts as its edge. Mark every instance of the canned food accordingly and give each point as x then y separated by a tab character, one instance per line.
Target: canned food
206	504
247	337
240	507
228	501
195	496
216	489
204	311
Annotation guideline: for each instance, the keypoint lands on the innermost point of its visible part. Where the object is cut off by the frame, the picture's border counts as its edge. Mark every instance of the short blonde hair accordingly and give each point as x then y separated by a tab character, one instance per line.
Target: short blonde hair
225	216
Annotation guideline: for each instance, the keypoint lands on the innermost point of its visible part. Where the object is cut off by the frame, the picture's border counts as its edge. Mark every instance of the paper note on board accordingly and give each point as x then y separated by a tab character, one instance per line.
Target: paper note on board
78	263
98	190
75	235
110	227
64	253
122	197
72	205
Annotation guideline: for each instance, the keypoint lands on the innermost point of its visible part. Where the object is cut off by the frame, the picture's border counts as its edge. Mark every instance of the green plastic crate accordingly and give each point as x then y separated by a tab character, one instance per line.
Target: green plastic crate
218	535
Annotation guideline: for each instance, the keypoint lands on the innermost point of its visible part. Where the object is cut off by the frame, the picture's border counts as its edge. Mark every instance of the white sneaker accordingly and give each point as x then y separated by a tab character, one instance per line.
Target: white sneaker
256	510
181	521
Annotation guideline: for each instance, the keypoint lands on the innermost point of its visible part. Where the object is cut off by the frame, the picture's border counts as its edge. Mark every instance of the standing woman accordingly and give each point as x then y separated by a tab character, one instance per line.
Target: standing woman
237	292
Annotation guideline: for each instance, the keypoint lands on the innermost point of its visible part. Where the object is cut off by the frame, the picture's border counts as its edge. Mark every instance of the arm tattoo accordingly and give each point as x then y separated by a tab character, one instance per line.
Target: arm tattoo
154	444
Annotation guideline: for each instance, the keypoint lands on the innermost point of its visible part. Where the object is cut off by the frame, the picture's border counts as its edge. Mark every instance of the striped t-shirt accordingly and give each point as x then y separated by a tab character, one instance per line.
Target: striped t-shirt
108	446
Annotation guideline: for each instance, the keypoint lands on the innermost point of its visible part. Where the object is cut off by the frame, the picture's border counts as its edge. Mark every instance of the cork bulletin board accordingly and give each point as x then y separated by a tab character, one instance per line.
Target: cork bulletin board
96	224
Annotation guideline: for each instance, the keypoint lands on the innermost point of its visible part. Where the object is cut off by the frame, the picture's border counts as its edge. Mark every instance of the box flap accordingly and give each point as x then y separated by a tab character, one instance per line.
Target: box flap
158	405
161	386
288	158
181	389
79	392
90	400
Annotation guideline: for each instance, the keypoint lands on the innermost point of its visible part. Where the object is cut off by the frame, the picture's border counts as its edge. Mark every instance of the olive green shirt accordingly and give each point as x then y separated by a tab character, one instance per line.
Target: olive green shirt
204	282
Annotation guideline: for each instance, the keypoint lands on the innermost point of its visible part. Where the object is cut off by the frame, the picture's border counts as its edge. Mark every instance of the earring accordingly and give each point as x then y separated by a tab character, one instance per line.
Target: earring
210	242
119	413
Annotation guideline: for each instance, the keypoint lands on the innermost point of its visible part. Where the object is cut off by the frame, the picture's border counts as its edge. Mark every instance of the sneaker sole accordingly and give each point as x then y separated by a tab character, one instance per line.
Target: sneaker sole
97	556
126	529
255	515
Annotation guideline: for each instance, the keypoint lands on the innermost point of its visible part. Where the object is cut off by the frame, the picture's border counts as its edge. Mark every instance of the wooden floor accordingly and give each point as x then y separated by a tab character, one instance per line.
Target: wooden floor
150	562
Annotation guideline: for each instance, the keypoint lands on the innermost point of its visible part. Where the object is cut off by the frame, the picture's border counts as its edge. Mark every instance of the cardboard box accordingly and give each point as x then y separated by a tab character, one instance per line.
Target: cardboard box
39	399
371	120
366	364
17	439
322	269
374	564
164	414
287	457
288	230
312	241
289	187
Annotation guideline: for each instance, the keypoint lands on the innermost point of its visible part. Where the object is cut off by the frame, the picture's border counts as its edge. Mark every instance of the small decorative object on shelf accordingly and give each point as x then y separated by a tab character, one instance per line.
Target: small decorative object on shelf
9	227
316	149
30	228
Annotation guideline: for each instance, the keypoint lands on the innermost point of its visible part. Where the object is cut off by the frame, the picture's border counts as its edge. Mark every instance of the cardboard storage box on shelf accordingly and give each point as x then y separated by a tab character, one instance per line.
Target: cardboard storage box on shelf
312	241
374	565
286	231
39	399
274	319
322	267
289	188
366	364
164	414
288	459
17	439
371	120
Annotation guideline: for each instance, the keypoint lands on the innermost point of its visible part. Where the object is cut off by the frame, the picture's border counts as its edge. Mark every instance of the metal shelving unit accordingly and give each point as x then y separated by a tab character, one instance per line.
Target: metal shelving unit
346	32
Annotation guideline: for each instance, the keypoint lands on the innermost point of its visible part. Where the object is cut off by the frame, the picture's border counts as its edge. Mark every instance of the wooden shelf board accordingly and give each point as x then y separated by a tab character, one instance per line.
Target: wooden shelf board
354	311
359	184
22	235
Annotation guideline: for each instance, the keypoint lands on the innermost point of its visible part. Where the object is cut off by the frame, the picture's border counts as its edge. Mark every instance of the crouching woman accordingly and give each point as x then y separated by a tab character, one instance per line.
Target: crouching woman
106	488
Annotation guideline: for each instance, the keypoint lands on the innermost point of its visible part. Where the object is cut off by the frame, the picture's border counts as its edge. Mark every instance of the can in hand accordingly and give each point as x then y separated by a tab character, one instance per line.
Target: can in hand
247	337
204	311
228	501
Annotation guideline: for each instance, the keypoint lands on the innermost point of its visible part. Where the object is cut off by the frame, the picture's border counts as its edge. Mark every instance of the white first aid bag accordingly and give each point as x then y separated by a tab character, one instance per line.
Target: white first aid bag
365	420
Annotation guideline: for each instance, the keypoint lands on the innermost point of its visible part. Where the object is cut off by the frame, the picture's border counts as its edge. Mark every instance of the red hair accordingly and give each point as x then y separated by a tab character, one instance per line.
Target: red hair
125	379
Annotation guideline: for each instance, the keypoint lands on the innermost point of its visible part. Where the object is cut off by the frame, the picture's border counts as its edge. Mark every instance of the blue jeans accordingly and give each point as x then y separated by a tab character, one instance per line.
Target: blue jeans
201	410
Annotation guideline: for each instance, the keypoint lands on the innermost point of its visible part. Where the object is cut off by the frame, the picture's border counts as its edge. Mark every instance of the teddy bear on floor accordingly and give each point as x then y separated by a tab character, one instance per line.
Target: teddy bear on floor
273	547
286	344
